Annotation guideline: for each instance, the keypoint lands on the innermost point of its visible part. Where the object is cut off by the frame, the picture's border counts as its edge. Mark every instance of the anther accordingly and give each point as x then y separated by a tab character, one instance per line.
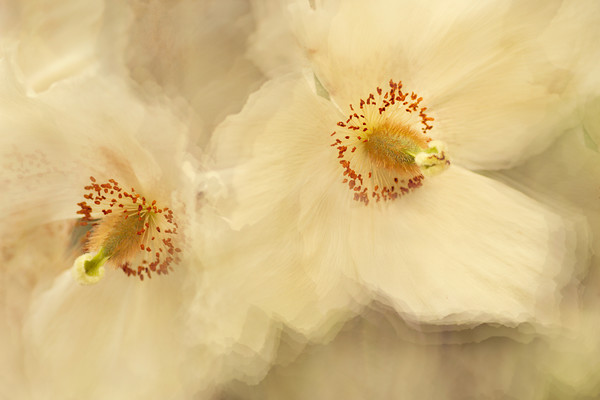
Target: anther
393	150
122	241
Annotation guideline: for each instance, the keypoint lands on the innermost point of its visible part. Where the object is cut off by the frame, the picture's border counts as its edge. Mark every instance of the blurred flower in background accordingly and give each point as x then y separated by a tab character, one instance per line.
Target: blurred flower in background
100	89
87	126
162	51
357	199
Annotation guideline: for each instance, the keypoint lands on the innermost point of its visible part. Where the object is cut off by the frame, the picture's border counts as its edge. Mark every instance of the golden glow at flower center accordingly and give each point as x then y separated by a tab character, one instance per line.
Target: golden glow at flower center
129	231
383	146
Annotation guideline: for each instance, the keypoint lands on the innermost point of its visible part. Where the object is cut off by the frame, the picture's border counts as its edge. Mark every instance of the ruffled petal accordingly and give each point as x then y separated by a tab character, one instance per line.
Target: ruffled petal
190	52
52	41
375	357
480	69
279	204
267	152
119	338
466	249
81	127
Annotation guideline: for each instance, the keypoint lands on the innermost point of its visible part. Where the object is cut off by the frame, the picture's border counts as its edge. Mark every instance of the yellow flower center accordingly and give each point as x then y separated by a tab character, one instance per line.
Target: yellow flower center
383	147
129	231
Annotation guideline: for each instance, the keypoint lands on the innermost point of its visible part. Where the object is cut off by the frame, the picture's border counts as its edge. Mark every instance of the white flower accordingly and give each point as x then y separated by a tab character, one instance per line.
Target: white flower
380	356
99	99
73	337
331	196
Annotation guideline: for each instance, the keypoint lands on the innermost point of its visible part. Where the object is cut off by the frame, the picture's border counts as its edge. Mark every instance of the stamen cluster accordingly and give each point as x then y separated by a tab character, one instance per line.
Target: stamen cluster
134	233
378	142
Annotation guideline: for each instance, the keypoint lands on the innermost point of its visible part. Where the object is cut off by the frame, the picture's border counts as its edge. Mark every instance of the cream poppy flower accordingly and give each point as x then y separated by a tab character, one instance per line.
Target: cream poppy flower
105	107
366	190
87	151
108	304
374	356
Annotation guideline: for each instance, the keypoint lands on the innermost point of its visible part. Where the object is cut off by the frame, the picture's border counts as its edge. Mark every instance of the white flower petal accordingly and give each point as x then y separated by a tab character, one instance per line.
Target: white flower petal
121	338
297	277
53	41
81	127
465	248
480	69
277	270
266	151
189	52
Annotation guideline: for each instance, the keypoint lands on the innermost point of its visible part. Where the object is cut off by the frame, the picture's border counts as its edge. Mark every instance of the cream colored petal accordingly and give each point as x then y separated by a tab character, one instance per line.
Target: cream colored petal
279	203
269	151
570	41
81	127
53	41
253	289
466	249
189	52
568	175
25	256
266	277
122	338
495	96
273	47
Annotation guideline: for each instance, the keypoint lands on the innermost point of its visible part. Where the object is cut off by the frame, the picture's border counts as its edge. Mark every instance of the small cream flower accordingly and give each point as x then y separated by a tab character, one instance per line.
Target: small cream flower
91	126
104	107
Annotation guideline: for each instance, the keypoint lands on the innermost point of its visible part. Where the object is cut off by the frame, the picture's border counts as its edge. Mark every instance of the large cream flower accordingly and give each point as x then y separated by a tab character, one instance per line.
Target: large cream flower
380	356
359	183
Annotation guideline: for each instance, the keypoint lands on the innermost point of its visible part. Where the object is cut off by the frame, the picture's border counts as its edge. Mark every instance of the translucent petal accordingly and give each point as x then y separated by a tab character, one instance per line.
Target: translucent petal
465	248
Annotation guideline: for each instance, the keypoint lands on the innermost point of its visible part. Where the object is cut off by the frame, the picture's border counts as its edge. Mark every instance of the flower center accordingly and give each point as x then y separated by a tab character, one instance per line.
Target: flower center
383	147
129	231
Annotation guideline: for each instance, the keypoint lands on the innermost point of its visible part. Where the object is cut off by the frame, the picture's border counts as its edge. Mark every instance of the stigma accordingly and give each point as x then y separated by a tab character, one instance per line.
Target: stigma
383	146
129	232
